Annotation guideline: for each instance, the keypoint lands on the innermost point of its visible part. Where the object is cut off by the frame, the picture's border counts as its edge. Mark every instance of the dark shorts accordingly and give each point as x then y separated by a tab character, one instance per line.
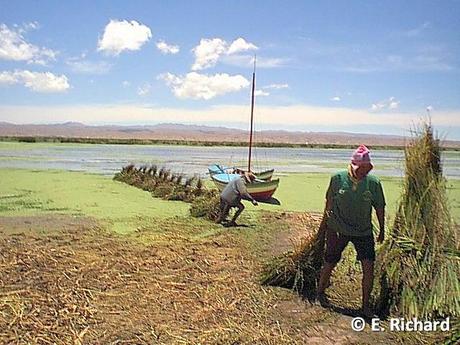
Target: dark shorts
336	243
224	203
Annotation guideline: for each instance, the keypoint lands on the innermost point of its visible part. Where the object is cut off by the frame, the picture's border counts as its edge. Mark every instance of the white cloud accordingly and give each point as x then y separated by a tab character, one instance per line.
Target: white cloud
80	65
393	105
418	30
336	99
167	48
144	90
390	104
240	45
30	26
126	83
45	82
200	86
276	86
261	93
424	61
264	62
8	78
208	52
13	46
123	35
245	60
376	106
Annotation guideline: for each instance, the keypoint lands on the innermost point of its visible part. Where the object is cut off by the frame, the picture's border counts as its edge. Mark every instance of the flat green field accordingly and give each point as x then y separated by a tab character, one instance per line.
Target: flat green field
123	208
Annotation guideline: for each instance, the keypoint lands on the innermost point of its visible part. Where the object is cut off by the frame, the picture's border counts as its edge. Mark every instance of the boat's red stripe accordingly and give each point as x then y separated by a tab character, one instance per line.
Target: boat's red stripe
263	195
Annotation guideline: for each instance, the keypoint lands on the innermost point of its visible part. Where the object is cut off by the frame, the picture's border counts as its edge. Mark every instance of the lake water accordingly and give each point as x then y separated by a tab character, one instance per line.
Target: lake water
108	159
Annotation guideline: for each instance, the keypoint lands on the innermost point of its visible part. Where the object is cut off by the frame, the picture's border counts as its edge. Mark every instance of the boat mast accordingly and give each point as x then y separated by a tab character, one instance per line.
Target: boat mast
252	114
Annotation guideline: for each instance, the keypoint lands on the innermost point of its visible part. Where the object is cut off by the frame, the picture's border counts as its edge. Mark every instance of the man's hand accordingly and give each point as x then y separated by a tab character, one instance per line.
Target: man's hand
381	218
255	203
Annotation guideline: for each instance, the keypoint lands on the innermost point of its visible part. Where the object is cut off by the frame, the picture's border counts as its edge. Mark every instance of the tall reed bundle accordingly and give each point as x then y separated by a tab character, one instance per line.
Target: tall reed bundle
419	264
298	269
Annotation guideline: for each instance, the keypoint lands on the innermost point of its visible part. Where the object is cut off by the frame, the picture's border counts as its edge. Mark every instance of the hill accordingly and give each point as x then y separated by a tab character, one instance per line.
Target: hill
168	131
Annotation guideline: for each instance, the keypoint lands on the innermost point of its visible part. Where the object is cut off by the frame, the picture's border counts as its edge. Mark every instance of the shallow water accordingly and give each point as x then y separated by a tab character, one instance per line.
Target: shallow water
108	159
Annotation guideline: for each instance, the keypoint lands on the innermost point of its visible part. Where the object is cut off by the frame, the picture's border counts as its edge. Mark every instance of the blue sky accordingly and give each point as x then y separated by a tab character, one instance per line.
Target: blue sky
359	66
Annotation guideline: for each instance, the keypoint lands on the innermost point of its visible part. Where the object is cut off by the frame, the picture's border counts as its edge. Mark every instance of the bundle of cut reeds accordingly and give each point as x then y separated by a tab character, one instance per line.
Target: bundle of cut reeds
419	264
161	182
298	269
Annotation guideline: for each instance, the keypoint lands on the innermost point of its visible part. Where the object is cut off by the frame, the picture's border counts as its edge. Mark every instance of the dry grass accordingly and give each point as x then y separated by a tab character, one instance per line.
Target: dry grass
75	289
84	286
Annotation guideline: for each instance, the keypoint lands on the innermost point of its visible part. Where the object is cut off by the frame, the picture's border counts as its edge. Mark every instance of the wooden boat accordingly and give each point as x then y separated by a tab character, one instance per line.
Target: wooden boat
259	189
217	169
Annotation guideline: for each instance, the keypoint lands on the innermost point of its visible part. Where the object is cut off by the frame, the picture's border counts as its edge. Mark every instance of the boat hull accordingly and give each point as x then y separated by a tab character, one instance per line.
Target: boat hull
265	175
259	190
214	169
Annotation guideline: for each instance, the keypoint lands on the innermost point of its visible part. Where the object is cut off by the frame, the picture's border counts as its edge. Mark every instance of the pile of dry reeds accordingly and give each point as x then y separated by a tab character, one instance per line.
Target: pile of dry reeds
85	287
420	261
298	269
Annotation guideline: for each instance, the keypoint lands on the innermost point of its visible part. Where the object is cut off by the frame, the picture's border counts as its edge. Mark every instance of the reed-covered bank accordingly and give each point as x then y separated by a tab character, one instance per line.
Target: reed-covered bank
227	142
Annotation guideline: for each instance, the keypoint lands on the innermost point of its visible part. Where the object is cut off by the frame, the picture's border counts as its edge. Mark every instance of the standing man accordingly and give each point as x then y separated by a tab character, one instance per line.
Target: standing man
350	198
231	196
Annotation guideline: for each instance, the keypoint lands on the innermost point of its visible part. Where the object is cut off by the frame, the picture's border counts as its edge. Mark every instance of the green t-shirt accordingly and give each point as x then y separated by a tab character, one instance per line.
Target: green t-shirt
352	210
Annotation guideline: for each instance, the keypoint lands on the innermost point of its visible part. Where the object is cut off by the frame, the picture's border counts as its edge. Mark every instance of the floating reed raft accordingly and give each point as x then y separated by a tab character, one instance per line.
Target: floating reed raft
420	262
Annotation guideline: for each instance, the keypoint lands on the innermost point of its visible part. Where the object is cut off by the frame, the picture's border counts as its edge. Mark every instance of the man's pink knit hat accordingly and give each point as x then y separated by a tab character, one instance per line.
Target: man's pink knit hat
361	156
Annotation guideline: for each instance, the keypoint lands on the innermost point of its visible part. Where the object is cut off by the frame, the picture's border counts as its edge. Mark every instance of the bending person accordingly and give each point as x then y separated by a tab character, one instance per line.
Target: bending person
231	196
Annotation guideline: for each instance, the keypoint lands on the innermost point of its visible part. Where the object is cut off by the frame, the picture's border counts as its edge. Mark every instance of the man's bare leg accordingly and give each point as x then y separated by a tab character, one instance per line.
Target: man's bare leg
237	213
367	284
223	213
324	279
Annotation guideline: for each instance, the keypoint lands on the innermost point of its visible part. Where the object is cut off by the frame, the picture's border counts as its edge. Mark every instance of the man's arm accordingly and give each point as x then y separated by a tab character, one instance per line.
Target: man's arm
244	192
327	210
329	201
381	219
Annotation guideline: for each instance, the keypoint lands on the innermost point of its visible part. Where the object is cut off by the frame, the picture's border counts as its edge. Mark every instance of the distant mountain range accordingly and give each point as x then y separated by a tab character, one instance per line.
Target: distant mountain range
168	131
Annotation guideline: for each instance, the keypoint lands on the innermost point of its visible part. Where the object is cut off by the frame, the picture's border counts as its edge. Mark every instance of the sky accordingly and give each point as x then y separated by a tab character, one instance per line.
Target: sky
375	67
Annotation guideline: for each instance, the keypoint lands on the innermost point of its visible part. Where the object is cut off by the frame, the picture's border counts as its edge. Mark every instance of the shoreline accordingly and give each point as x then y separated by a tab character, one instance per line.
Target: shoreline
183	142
